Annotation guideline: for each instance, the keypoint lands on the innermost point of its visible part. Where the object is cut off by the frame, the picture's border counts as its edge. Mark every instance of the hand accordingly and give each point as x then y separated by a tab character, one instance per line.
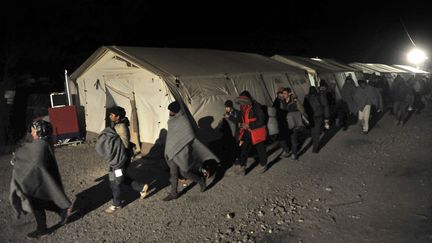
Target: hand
327	125
379	110
245	126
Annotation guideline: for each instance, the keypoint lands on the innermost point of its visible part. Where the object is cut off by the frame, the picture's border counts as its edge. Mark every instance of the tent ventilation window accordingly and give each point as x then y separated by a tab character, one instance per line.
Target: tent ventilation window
128	64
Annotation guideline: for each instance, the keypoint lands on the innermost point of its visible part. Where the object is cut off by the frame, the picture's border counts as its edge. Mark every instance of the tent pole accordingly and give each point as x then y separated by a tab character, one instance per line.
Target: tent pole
67	88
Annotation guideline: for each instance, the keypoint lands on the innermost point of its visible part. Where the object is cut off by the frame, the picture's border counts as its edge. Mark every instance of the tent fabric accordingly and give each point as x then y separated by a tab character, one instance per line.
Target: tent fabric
333	72
318	64
410	69
150	78
346	68
202	62
375	67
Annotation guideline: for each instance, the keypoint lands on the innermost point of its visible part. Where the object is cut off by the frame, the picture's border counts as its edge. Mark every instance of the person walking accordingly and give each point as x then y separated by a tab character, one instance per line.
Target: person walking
367	96
281	113
400	94
229	127
113	144
36	184
183	152
253	132
318	111
296	119
347	104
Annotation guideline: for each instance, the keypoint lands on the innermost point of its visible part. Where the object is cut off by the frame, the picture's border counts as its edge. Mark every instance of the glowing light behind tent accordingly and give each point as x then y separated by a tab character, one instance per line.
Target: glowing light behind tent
416	56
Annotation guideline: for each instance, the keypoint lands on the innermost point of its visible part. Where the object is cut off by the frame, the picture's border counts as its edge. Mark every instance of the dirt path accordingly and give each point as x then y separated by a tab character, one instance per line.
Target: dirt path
359	188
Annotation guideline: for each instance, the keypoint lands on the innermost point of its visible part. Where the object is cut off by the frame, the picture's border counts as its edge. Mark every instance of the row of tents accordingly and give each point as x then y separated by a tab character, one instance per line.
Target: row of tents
145	80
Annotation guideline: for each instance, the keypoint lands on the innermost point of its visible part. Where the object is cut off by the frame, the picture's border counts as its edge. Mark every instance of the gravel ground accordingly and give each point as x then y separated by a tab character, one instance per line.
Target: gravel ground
359	188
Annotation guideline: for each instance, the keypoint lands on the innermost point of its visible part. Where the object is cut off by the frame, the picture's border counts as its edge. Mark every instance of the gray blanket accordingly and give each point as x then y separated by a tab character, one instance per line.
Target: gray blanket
182	148
18	199
36	174
109	145
368	96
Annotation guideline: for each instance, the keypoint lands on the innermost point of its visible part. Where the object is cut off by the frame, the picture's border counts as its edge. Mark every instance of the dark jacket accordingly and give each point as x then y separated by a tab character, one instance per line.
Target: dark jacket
231	120
258	114
400	90
348	93
316	106
280	116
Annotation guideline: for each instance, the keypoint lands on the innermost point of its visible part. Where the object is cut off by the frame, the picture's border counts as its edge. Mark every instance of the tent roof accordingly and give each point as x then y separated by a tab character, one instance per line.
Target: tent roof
189	62
342	65
411	69
326	65
375	67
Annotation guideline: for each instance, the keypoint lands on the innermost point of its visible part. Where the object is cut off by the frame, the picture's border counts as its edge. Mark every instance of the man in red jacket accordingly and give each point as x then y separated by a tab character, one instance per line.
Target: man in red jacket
252	132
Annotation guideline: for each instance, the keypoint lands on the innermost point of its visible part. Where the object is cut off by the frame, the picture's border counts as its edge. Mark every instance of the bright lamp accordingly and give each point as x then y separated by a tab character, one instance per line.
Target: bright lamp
416	56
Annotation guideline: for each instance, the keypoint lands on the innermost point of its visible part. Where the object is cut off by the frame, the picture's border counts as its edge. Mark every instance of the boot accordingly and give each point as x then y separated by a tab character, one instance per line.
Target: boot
38	234
263	169
65	215
202	184
242	170
170	197
285	154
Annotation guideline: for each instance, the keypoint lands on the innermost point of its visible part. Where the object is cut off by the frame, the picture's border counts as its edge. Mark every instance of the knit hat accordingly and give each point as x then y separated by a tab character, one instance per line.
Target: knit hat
118	111
174	107
247	94
43	128
243	100
229	103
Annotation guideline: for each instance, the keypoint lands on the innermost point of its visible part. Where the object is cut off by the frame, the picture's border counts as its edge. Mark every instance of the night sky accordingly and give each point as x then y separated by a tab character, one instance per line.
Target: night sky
45	38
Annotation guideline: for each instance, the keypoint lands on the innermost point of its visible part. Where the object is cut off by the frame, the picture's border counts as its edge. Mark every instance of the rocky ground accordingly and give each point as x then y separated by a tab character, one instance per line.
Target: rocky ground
359	188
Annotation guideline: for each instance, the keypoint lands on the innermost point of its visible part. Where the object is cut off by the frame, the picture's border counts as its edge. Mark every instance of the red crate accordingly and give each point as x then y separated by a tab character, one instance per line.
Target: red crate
64	121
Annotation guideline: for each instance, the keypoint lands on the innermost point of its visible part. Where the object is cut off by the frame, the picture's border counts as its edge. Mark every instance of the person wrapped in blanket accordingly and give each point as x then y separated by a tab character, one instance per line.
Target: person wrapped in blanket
36	184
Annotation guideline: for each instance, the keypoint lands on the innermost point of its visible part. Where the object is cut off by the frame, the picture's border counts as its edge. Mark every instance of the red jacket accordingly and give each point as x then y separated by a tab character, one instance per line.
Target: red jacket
258	134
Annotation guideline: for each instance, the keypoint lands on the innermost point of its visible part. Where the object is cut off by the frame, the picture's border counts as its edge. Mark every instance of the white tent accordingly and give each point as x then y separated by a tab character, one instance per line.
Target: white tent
386	71
411	69
145	80
333	72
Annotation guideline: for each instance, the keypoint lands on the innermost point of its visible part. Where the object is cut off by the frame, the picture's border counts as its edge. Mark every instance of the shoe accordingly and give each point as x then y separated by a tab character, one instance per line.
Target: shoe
112	208
37	234
144	191
170	197
202	184
397	123
263	169
182	182
294	157
315	151
66	214
365	132
242	170
285	154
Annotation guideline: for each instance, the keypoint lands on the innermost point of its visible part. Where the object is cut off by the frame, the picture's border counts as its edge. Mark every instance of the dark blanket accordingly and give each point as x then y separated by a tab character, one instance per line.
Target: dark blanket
348	95
18	199
36	173
182	148
109	145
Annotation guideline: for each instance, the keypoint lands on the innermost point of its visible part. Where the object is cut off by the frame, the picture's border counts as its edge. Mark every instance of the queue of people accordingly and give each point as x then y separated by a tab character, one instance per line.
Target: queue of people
36	184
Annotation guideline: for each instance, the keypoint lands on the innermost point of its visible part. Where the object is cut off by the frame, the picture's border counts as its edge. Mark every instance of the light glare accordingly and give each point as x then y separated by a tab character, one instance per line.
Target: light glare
416	56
